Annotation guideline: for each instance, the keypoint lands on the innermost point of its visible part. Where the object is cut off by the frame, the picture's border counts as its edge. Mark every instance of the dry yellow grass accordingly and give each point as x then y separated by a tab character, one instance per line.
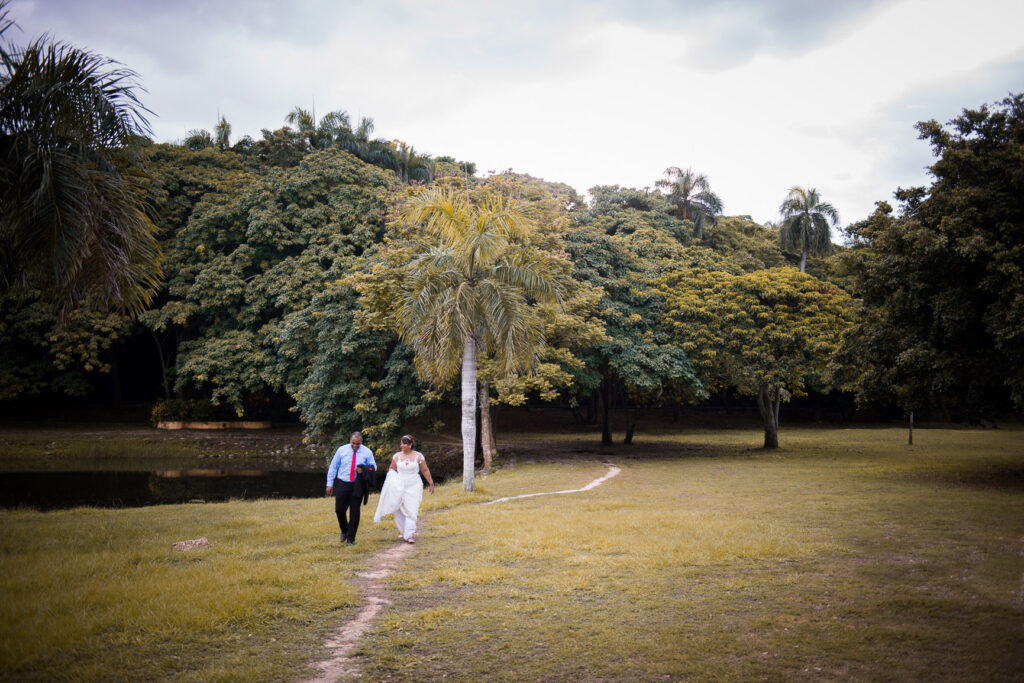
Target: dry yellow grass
844	555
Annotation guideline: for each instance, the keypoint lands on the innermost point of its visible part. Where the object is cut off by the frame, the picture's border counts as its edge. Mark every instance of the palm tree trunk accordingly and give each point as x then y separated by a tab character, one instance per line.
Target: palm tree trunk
803	260
468	411
486	426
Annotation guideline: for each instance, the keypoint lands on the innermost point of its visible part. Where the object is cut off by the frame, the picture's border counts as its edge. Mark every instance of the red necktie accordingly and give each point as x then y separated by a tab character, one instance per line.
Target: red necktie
352	474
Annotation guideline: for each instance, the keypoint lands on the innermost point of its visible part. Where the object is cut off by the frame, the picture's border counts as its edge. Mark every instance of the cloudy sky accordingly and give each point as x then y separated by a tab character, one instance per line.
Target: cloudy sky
759	96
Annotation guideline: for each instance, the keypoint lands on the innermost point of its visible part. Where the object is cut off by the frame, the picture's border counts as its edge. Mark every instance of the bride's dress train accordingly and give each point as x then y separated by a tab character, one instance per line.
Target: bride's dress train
402	494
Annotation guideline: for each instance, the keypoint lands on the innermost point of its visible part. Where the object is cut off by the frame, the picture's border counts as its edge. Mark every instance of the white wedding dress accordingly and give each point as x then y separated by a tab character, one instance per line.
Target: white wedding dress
402	494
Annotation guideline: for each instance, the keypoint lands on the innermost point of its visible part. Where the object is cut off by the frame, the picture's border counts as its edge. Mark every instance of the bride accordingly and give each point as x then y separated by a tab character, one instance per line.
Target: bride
403	489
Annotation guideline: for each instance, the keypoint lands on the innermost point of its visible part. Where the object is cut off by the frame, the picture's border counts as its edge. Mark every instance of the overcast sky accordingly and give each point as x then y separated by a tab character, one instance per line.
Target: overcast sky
759	96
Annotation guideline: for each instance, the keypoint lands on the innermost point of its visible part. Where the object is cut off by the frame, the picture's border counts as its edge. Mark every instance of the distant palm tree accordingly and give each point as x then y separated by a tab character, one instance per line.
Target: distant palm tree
469	294
806	223
72	223
408	164
691	194
223	134
333	127
359	143
301	119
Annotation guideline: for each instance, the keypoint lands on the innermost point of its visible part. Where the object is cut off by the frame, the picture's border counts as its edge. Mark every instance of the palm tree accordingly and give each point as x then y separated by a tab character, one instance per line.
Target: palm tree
333	127
408	164
72	223
469	293
301	119
359	143
223	134
691	194
806	223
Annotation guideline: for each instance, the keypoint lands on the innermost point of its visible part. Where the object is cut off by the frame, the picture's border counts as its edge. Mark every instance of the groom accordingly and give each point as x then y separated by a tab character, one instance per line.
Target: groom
347	476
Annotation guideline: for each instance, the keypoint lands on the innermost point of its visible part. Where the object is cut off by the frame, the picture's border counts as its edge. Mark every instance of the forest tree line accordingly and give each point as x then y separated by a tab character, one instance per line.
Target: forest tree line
279	273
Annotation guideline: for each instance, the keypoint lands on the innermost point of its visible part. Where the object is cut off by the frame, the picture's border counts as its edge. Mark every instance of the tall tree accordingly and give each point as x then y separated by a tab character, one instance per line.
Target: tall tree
470	293
769	333
635	365
806	224
942	278
690	193
71	222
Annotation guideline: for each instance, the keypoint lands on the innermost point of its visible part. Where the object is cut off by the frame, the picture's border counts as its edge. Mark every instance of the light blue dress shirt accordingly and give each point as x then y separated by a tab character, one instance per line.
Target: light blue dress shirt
341	463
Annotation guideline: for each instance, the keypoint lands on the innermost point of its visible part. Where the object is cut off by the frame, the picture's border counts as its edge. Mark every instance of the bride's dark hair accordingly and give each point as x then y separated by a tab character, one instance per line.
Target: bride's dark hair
408	439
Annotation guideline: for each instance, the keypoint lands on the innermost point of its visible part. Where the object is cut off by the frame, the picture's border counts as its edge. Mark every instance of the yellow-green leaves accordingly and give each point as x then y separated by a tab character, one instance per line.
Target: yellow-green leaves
775	327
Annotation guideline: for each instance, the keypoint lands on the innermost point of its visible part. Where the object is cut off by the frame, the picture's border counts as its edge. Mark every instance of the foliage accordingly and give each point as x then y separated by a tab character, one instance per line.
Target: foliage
245	261
356	377
770	333
943	278
617	210
188	410
473	281
40	355
746	243
568	329
71	223
635	359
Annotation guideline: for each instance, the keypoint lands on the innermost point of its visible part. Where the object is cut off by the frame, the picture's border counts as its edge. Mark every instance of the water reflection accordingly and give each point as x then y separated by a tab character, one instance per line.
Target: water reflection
57	490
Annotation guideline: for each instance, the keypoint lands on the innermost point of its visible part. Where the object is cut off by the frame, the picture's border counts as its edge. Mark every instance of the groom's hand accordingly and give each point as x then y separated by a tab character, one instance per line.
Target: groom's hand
330	490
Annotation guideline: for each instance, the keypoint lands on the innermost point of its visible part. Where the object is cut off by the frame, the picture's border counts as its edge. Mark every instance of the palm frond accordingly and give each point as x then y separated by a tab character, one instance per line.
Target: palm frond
71	217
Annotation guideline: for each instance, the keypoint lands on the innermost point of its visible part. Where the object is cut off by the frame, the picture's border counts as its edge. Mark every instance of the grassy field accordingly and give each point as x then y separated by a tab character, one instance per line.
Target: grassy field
846	554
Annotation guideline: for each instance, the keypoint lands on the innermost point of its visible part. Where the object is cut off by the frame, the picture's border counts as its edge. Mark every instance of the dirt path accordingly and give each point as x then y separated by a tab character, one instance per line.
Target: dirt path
340	664
344	641
612	471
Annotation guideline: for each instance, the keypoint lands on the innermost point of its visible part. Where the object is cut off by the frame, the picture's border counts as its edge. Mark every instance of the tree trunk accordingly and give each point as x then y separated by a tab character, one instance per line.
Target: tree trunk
486	428
632	416
607	405
163	364
910	438
468	411
769	408
803	260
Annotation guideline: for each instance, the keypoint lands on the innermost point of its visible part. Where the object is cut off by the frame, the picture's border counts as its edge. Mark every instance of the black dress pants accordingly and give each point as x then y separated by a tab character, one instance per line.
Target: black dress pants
348	498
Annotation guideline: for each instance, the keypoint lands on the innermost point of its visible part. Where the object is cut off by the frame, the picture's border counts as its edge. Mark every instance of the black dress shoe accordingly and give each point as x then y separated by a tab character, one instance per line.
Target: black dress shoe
343	539
351	541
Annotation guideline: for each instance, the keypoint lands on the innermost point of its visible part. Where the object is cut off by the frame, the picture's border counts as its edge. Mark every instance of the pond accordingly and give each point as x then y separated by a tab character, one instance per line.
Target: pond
111	488
129	466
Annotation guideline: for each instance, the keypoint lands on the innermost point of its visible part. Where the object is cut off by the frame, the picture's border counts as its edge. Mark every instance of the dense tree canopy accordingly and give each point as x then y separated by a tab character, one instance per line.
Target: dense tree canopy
943	278
635	362
770	333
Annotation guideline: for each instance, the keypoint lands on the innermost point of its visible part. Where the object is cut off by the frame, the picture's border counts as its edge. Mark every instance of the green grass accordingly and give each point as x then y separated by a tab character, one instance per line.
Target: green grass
844	555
